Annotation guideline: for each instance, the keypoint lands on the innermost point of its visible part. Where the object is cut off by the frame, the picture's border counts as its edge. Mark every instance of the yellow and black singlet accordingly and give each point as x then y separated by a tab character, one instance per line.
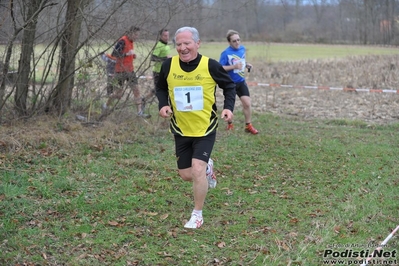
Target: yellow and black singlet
191	80
192	97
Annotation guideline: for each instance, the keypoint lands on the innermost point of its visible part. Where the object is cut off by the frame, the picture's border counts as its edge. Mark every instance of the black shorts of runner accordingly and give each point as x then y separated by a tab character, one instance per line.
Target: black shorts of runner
129	77
188	148
242	89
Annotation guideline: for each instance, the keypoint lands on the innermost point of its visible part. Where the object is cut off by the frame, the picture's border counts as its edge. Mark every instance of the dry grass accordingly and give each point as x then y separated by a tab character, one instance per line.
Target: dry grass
373	71
51	133
370	72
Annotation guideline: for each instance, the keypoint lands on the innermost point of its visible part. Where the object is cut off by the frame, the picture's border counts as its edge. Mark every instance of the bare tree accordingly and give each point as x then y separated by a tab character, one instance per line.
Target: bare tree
61	99
22	82
6	64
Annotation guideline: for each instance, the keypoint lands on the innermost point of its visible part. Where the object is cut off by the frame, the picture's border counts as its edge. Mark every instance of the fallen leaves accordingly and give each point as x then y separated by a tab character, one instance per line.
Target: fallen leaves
113	223
162	217
228	191
221	244
173	232
164	254
337	229
282	244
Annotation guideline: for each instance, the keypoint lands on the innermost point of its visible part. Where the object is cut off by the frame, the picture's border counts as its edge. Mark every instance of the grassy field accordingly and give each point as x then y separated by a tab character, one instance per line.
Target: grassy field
73	195
275	52
299	193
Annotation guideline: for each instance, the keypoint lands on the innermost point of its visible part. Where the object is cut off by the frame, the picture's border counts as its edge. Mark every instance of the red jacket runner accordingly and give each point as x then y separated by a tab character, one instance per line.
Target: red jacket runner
125	64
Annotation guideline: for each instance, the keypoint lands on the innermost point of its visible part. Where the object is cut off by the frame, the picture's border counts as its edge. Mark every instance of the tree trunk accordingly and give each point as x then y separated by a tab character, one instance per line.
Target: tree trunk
22	83
5	66
61	99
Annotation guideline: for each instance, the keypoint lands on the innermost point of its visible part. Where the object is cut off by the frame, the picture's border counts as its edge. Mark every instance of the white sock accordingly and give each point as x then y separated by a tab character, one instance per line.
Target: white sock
197	212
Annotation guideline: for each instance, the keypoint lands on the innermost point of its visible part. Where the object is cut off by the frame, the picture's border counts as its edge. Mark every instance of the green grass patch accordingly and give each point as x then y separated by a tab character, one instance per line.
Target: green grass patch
280	52
283	196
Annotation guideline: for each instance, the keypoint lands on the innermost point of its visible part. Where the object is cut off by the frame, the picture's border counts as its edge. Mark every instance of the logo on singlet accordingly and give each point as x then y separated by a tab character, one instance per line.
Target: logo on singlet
178	77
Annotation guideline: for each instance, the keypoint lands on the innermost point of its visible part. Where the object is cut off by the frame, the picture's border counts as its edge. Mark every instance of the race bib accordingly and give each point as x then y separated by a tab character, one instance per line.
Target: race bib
242	69
189	98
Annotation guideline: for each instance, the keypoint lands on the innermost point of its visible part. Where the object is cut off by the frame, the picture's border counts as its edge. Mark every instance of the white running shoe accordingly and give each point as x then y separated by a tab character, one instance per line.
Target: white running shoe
210	175
195	222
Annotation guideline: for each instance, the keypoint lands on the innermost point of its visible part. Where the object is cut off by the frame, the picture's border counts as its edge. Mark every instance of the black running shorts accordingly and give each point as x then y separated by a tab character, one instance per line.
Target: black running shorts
188	148
242	89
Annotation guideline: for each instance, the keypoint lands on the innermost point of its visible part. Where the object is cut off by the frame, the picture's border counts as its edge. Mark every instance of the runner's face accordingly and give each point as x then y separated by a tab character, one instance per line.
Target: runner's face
133	35
235	41
186	47
165	36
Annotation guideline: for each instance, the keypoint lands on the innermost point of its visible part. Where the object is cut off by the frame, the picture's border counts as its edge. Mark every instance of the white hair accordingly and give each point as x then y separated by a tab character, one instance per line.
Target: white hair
194	32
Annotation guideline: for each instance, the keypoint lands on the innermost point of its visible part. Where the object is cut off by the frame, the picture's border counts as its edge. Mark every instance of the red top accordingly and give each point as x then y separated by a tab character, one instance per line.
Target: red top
125	64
